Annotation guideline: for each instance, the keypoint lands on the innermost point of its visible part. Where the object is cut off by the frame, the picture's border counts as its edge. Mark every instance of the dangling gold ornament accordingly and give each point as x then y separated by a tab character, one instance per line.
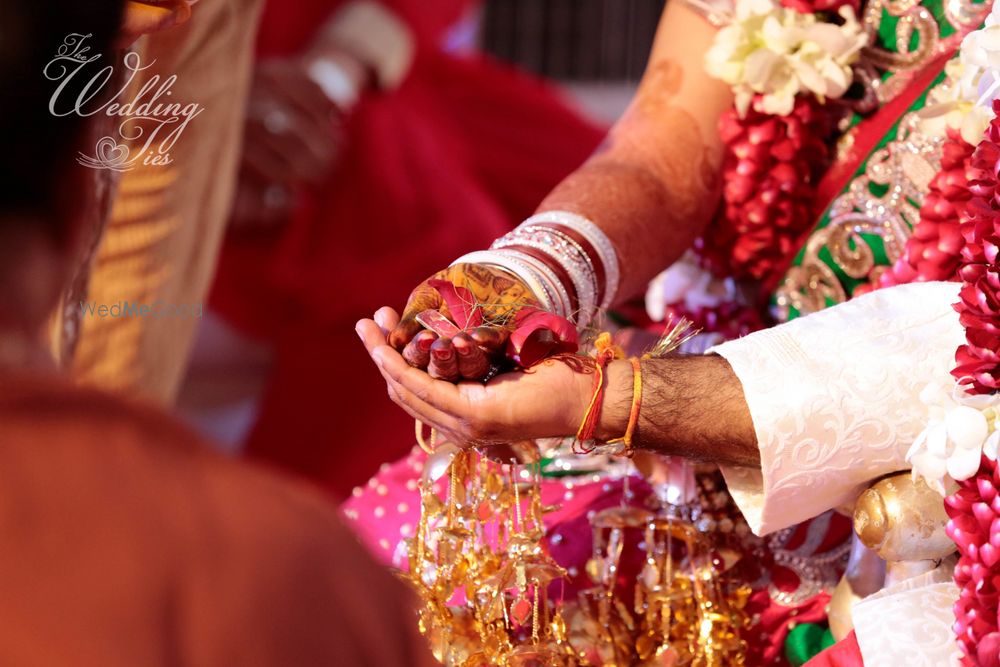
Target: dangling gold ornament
480	565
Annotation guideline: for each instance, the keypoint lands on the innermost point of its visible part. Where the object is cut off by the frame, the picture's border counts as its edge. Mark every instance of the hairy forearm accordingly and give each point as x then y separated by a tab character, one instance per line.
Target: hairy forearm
691	406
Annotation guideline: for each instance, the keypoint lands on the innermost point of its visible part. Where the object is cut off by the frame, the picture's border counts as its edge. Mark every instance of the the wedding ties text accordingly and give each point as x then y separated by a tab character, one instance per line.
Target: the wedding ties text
148	123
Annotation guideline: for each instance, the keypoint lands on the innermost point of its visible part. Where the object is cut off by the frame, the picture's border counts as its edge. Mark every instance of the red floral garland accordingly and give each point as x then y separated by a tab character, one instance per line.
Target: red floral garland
979	308
813	6
770	169
974	510
933	251
771	166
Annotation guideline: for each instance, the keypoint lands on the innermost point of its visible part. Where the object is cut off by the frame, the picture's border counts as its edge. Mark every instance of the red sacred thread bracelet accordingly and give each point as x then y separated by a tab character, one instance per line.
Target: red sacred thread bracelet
604	354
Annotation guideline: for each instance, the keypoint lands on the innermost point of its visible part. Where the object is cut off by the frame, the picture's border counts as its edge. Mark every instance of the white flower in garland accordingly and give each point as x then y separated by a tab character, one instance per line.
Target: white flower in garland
957	108
961	428
777	52
975	84
686	283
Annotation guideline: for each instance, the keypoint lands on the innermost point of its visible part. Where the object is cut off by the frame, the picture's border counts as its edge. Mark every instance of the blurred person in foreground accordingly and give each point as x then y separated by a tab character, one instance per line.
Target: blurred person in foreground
376	145
126	540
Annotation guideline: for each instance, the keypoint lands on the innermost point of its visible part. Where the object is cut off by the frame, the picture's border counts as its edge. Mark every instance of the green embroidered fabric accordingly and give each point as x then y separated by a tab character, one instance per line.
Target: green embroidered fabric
889	28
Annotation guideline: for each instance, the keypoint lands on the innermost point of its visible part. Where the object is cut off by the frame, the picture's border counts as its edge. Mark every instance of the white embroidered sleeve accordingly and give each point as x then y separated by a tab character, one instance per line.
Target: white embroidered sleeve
909	623
834	398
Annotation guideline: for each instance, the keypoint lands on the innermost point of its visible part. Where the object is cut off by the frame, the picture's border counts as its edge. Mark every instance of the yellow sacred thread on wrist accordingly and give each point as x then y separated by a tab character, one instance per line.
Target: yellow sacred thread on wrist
633	415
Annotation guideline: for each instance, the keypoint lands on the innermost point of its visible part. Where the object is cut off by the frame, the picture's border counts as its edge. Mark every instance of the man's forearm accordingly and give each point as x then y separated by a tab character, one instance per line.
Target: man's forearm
691	406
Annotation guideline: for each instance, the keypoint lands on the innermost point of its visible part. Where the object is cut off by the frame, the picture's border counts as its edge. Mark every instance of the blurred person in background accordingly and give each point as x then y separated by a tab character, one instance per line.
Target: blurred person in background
377	148
165	221
126	540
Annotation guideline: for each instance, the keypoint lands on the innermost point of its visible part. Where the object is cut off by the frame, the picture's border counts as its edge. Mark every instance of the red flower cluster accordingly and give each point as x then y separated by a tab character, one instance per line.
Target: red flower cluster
770	170
813	6
974	510
979	308
933	251
974	525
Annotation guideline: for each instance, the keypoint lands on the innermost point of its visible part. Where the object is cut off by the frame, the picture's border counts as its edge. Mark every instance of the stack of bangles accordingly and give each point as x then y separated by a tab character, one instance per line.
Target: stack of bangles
572	268
566	260
585	442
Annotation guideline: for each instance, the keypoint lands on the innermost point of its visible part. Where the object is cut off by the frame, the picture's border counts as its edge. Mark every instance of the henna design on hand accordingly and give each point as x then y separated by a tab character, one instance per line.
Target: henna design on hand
498	294
443	364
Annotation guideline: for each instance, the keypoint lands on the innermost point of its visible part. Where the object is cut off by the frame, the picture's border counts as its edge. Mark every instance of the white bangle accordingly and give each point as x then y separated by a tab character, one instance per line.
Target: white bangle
570	257
562	306
335	83
502	260
596	237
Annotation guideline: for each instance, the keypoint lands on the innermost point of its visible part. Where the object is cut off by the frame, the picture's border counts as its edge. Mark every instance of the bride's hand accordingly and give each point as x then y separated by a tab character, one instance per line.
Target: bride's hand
548	400
466	356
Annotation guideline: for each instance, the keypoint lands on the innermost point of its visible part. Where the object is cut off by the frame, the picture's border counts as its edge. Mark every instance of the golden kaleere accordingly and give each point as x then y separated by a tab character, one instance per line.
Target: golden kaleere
480	566
682	613
492	594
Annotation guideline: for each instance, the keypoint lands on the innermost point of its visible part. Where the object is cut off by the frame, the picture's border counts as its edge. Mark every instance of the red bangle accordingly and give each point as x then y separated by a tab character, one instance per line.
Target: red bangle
588	248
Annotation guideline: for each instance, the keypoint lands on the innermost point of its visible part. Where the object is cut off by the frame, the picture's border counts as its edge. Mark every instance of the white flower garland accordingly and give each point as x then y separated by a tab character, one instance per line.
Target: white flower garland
975	78
962	427
777	52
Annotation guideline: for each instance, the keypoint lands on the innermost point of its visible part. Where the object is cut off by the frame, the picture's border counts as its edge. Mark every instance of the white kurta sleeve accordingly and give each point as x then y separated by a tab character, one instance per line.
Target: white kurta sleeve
834	398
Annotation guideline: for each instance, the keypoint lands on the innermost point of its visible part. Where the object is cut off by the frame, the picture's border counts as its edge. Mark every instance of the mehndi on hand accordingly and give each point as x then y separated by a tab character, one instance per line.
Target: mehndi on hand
472	320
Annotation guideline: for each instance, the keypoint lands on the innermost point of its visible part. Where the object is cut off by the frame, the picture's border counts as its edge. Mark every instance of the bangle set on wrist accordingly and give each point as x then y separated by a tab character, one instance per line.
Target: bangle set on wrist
572	268
565	259
594	242
335	82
